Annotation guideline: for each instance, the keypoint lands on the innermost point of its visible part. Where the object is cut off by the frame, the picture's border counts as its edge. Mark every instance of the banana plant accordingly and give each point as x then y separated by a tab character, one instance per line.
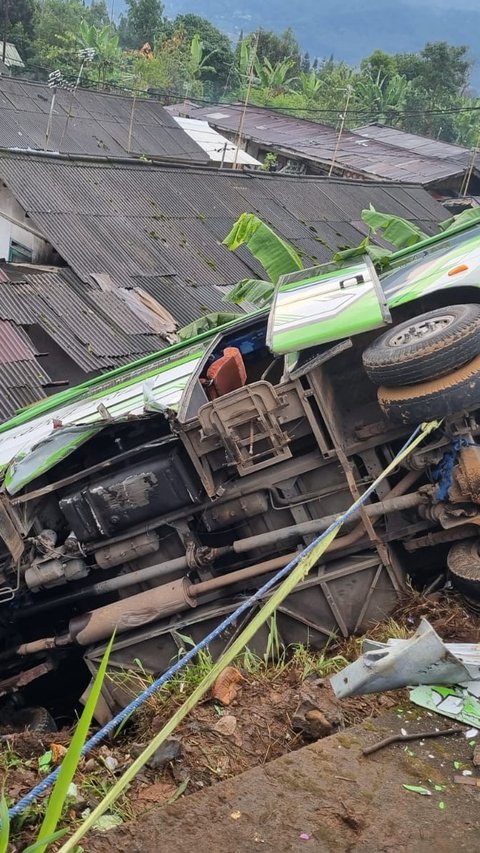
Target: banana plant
275	77
310	84
197	65
275	255
385	99
105	42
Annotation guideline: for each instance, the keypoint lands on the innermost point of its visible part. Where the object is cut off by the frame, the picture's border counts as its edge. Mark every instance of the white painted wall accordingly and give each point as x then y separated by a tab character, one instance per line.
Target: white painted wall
10	231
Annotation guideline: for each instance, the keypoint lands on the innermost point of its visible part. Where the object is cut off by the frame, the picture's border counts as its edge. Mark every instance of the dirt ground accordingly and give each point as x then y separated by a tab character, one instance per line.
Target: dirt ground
265	722
327	797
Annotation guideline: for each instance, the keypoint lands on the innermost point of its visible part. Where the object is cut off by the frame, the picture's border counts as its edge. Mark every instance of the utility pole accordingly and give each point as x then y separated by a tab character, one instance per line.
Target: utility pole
343	118
5	28
468	175
247	98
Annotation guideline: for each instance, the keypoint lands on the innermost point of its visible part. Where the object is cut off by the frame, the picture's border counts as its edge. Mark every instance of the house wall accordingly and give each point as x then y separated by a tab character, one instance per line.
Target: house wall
9	230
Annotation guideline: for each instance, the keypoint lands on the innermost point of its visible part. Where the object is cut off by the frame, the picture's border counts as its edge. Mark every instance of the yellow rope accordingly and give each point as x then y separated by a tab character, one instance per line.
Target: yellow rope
290	582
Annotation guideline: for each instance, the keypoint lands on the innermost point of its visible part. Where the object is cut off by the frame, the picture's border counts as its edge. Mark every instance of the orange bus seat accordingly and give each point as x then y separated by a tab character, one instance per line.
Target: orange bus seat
226	373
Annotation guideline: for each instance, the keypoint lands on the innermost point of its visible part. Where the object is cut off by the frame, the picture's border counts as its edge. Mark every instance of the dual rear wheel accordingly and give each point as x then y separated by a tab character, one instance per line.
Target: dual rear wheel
428	367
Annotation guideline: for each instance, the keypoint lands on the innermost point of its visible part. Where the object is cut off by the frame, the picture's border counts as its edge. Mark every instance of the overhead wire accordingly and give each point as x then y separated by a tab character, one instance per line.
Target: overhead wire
180	96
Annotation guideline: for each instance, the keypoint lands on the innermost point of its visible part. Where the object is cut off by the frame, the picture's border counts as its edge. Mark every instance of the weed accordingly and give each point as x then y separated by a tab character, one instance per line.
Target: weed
316	663
96	788
9	758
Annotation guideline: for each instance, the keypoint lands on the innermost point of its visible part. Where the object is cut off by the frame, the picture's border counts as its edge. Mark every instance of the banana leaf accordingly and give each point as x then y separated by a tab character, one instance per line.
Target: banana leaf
5	825
378	254
471	217
396	230
253	290
204	324
276	255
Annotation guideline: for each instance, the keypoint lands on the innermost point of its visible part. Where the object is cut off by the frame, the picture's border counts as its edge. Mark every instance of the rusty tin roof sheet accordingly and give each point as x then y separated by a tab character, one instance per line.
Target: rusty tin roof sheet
308	140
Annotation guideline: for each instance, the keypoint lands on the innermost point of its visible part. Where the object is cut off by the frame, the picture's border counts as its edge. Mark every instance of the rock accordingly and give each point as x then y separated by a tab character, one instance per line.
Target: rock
111	763
157	793
227	685
226	725
170	751
318	713
476	755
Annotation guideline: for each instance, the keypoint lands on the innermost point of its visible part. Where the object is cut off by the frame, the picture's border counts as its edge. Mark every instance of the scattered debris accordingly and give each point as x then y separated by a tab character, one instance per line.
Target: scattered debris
170	751
368	750
418	789
227	685
453	702
106	822
58	751
318	713
467	780
423	659
111	763
476	756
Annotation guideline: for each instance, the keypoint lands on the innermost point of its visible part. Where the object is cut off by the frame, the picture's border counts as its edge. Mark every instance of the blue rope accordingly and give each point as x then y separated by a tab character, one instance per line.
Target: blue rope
443	473
97	738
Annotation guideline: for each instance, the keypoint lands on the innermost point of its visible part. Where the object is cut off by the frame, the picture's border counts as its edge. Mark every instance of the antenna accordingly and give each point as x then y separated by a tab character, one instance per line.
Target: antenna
55	80
87	54
469	172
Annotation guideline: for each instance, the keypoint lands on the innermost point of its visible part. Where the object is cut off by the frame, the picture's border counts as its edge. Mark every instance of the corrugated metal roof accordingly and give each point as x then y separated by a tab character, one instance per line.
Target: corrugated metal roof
96	330
172	223
12	347
158	229
308	140
187	303
422	145
22	378
93	123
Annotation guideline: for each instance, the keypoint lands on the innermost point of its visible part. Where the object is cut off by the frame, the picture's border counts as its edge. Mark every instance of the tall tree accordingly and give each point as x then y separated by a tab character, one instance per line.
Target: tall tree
98	13
439	76
216	45
305	64
143	23
21	26
380	64
277	48
57	25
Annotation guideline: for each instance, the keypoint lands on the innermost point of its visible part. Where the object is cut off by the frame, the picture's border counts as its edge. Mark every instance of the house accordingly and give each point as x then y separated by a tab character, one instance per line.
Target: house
104	260
96	124
303	146
219	149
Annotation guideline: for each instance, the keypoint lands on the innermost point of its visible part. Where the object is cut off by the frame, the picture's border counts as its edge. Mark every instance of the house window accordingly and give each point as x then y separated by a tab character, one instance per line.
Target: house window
18	253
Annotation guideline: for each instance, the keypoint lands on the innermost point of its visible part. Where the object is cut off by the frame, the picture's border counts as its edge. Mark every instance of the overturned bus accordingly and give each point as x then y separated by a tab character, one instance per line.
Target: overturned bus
152	499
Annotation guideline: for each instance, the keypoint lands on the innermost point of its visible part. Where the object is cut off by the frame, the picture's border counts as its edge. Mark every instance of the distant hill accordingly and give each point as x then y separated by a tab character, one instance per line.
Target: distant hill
348	29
